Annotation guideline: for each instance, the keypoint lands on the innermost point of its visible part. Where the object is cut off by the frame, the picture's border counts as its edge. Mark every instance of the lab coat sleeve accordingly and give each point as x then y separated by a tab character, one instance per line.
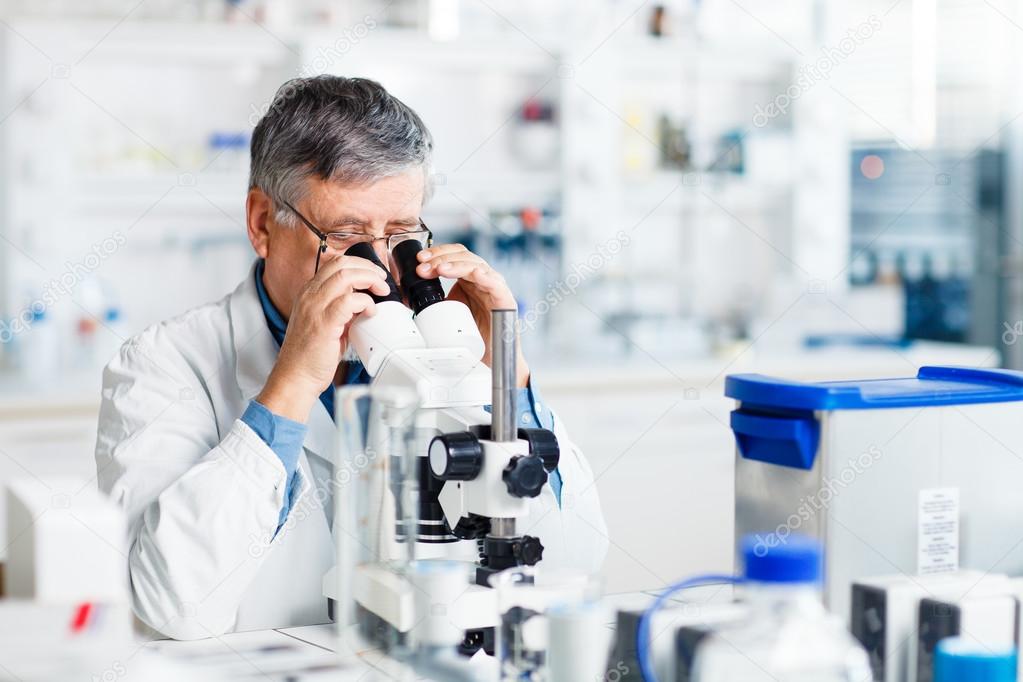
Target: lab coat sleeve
285	438
202	507
583	528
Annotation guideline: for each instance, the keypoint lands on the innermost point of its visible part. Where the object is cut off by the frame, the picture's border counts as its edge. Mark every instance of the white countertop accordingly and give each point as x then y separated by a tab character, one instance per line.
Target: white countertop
287	654
843	362
310	652
80	391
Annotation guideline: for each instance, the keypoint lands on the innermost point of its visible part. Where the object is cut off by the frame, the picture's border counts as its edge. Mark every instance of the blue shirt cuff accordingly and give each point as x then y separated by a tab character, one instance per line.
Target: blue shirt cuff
284	436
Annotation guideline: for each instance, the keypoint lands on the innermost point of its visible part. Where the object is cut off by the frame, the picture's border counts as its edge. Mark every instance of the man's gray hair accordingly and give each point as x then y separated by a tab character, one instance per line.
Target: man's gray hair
348	130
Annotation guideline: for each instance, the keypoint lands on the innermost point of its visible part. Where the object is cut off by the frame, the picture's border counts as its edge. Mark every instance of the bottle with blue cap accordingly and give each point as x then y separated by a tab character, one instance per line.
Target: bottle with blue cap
957	659
789	636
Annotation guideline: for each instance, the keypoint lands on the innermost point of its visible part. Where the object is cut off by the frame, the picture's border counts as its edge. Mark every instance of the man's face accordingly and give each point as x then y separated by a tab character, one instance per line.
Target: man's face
380	208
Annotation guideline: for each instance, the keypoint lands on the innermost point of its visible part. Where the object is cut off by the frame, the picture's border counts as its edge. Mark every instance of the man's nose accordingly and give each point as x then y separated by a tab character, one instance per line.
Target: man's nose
380	247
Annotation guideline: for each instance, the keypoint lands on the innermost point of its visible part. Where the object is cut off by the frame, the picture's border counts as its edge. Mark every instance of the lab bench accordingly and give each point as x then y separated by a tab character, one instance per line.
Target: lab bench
653	428
303	653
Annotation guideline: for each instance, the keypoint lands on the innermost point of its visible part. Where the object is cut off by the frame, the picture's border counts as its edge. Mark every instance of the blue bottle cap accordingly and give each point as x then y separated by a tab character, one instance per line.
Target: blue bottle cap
959	660
771	558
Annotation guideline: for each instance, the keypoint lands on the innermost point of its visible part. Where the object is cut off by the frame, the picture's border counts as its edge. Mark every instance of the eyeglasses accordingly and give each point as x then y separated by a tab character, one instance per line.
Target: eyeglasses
342	241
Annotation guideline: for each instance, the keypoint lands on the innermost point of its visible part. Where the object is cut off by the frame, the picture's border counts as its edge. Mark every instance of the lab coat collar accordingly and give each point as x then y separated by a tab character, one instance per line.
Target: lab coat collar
255	353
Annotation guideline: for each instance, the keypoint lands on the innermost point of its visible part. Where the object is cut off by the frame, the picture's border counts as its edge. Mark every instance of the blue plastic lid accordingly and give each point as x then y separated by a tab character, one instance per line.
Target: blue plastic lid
959	660
932	386
771	558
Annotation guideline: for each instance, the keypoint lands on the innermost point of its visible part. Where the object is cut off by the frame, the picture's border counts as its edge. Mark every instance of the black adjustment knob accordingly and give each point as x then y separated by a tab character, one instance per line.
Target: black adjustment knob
528	551
471	527
456	456
542	444
524	476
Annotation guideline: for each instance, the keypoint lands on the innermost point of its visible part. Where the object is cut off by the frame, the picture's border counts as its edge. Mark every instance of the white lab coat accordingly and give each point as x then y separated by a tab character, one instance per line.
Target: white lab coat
202	492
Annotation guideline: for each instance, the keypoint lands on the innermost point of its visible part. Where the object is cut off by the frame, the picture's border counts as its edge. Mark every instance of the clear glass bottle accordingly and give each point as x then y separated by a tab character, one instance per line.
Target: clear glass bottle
789	636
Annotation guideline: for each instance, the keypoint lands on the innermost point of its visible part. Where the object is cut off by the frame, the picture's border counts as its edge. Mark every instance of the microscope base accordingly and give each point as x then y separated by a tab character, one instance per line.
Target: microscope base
390	597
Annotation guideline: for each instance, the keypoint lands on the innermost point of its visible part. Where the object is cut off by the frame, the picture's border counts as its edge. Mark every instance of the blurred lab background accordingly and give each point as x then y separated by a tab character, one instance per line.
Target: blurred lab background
675	190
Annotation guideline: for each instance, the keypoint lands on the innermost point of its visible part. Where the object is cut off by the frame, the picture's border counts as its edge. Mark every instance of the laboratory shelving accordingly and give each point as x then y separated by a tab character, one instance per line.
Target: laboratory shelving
122	113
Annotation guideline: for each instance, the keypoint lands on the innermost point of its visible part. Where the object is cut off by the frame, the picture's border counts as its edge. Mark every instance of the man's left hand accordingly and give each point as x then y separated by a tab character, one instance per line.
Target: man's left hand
479	286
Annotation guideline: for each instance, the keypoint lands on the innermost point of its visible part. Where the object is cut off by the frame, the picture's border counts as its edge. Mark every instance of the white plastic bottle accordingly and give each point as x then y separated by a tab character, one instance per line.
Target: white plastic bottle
789	636
39	345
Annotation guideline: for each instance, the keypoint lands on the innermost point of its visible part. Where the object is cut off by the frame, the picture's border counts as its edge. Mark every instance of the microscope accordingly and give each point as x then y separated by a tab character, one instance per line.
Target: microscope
475	471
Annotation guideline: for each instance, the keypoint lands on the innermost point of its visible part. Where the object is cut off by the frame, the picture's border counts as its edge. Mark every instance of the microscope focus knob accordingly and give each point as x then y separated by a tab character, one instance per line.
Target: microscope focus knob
456	456
542	444
528	551
524	476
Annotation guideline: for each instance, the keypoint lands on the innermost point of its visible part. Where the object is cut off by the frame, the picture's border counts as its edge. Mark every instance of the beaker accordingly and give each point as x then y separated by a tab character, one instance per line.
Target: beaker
375	499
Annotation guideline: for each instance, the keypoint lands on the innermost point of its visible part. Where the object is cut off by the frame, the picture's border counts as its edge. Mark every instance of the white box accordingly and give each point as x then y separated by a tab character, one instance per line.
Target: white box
885	611
67	543
988	621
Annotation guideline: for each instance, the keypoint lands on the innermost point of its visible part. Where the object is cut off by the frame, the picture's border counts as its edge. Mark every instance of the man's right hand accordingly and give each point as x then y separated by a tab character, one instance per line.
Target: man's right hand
317	334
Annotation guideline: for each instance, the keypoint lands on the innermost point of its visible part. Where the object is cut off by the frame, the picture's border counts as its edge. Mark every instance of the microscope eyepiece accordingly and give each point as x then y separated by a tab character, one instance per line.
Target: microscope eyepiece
365	250
421	293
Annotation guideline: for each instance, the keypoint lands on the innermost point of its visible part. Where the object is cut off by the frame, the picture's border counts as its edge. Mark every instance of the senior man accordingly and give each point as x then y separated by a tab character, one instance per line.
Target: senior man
216	427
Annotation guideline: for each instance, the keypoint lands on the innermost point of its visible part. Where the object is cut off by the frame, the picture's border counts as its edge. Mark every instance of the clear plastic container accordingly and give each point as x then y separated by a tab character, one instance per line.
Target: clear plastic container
789	636
543	609
375	499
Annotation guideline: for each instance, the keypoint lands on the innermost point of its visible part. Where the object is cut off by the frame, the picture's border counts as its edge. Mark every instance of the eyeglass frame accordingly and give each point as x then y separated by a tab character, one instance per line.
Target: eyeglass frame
322	236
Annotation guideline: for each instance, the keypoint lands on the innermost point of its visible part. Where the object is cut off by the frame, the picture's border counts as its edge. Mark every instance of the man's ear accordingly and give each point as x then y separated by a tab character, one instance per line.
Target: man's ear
258	214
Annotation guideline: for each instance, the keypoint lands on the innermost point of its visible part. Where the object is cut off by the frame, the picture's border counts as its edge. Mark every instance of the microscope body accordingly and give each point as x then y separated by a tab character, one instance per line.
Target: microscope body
475	470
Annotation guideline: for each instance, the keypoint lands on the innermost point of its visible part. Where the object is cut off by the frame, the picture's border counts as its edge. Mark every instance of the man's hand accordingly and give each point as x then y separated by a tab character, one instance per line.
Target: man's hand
315	341
479	286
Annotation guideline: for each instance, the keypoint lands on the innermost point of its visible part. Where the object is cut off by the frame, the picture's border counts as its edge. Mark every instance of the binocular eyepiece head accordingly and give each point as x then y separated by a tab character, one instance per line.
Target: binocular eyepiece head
421	293
366	250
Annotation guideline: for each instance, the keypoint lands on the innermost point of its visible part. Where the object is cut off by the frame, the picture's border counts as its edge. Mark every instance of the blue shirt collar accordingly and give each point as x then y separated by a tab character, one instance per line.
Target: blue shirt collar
274	320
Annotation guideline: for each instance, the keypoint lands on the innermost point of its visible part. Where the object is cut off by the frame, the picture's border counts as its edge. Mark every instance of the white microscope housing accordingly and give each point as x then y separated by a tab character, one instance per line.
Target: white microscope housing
476	466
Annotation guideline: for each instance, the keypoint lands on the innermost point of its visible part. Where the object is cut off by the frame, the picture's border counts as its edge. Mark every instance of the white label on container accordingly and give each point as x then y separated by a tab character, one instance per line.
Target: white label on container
938	531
